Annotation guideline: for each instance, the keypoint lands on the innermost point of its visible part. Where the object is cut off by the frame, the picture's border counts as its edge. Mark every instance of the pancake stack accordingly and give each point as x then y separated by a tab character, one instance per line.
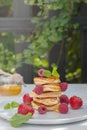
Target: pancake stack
46	92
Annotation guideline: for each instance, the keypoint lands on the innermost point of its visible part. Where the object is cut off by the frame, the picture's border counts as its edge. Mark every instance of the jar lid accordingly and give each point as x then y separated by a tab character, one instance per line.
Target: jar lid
6	80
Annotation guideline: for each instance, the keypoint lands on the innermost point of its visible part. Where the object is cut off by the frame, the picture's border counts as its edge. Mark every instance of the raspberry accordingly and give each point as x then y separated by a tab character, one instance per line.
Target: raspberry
64	99
40	72
42	109
76	102
63	108
27	99
63	86
25	109
38	89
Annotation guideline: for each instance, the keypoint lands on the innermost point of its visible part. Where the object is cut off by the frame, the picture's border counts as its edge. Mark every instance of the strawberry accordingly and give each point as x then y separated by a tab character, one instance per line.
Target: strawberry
75	102
25	109
27	99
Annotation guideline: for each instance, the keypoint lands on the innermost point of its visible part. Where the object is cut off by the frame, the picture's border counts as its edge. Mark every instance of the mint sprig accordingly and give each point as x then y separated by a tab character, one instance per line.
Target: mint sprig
12	104
18	119
47	73
54	72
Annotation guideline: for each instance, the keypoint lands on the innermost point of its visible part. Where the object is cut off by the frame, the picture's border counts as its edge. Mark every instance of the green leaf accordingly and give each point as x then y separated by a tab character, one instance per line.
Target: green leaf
18	119
54	71
47	73
7	106
14	104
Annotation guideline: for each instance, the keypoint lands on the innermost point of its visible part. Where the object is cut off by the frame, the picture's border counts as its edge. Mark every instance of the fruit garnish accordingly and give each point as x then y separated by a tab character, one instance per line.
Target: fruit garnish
12	104
76	102
63	108
40	72
38	89
25	109
64	99
27	99
42	109
47	73
18	119
7	106
54	71
64	86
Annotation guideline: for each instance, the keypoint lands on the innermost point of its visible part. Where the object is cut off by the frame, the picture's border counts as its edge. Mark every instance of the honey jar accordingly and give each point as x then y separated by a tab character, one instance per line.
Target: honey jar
8	87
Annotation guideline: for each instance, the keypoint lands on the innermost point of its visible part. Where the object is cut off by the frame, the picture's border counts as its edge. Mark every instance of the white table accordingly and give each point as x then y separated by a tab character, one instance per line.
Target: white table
73	89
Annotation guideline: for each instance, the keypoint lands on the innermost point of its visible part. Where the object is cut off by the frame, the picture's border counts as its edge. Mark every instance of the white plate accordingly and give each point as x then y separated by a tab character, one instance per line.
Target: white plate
49	117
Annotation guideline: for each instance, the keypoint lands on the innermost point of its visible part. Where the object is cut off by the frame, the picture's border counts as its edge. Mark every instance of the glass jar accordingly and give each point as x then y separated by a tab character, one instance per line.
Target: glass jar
8	87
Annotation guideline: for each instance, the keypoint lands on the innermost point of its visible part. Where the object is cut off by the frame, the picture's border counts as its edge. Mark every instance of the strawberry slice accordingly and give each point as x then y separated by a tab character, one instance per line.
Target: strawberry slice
75	102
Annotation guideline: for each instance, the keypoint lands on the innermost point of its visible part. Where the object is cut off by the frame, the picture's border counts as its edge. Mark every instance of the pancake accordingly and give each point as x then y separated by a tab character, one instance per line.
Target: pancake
51	87
47	101
43	80
36	105
45	94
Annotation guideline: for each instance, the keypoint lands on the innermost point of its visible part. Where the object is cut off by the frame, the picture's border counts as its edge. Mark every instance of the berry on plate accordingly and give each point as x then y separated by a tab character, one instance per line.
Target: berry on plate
64	99
64	86
27	99
25	109
75	102
63	108
42	109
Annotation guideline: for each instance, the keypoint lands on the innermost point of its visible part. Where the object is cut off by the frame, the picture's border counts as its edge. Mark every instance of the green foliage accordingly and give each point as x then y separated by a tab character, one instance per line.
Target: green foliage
5	2
73	58
49	31
53	30
9	61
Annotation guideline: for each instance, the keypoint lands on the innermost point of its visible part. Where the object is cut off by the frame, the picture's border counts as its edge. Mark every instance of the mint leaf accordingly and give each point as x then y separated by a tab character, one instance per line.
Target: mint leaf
18	119
7	106
14	104
54	71
47	73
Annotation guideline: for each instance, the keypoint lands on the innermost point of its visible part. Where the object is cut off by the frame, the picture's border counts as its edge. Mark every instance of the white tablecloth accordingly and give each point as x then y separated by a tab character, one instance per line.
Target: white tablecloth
73	89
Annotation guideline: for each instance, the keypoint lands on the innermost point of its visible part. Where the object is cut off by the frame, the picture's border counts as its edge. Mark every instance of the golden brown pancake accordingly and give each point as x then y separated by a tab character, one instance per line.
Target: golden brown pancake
51	87
45	94
36	105
47	101
43	80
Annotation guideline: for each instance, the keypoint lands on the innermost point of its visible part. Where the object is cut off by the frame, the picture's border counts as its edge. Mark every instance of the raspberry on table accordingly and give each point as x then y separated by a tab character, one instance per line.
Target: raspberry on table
64	99
64	86
42	109
27	99
38	89
25	109
63	108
